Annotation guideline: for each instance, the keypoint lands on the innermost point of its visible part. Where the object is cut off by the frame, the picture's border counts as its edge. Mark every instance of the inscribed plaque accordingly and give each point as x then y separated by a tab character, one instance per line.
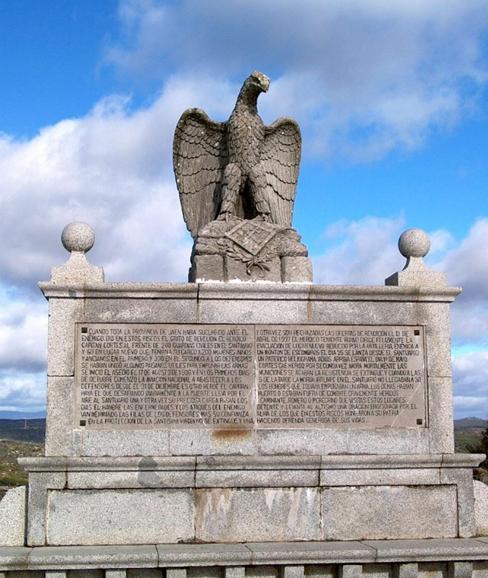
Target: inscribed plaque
156	376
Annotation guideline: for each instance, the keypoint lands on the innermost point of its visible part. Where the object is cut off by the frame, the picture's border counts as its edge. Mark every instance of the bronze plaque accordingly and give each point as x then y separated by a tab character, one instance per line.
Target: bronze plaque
156	376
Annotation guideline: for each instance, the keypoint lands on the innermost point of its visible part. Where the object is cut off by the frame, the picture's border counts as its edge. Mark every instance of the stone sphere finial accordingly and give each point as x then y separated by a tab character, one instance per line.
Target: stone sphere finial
78	237
414	243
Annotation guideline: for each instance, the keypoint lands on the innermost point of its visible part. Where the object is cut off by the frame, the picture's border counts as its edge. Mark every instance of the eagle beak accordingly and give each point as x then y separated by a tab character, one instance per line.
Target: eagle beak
265	84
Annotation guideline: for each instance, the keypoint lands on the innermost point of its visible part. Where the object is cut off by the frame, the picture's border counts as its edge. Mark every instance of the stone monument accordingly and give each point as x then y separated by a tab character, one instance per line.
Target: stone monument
266	427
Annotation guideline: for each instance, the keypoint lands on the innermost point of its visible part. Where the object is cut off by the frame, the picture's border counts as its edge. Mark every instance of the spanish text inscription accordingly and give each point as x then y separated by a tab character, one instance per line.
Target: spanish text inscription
152	376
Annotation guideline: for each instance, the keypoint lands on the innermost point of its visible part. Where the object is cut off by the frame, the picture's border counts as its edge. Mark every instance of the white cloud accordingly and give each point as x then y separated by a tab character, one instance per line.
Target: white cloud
22	391
23	332
112	169
470	376
360	252
466	265
362	77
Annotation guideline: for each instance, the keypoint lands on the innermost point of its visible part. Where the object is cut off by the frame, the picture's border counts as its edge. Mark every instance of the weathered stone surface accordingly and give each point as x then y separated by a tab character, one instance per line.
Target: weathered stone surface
39	485
250	311
13	557
258	514
481	508
460	570
207	268
296	269
123	479
120	517
311	552
126	443
12	517
350	571
255	478
410	570
60	417
203	554
379	477
87	557
63	313
429	550
389	512
293	571
210	442
463	479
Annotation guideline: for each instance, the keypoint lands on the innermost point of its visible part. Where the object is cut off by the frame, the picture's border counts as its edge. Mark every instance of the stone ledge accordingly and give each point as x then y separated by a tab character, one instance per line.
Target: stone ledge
260	462
184	555
261	291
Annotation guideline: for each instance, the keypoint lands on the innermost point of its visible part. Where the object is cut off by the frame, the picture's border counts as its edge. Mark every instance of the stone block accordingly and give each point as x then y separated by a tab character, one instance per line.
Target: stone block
57	574
460	570
203	554
410	570
130	479
389	512
93	557
207	268
228	515
296	269
293	572
377	571
389	441
435	317
481	508
252	311
311	552
362	312
39	485
235	572
441	425
115	573
463	479
60	417
16	556
256	478
12	517
120	517
379	477
176	573
63	313
350	571
139	310
125	443
302	441
207	442
145	573
235	270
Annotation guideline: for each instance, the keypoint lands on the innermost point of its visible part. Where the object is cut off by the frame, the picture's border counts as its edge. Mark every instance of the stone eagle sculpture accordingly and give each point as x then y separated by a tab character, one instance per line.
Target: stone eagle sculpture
238	168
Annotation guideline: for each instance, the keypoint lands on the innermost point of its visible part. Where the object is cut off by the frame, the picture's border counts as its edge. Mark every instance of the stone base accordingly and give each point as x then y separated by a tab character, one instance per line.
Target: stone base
107	501
237	250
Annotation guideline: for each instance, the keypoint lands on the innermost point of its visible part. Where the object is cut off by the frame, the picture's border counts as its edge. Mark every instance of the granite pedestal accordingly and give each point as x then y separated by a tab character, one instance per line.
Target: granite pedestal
189	414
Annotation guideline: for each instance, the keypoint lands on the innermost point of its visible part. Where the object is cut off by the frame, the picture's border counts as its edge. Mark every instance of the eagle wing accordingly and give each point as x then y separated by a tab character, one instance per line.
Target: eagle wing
199	157
280	158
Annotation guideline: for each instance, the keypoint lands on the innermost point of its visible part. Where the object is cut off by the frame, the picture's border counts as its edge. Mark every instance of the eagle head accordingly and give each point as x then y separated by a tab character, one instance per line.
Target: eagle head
258	81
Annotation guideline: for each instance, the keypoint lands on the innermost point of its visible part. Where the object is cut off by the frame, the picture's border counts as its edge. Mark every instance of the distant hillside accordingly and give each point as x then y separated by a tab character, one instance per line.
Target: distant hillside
468	423
22	414
25	430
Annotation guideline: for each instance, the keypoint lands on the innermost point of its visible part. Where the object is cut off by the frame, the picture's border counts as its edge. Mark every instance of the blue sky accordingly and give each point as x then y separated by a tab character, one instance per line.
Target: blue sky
393	104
